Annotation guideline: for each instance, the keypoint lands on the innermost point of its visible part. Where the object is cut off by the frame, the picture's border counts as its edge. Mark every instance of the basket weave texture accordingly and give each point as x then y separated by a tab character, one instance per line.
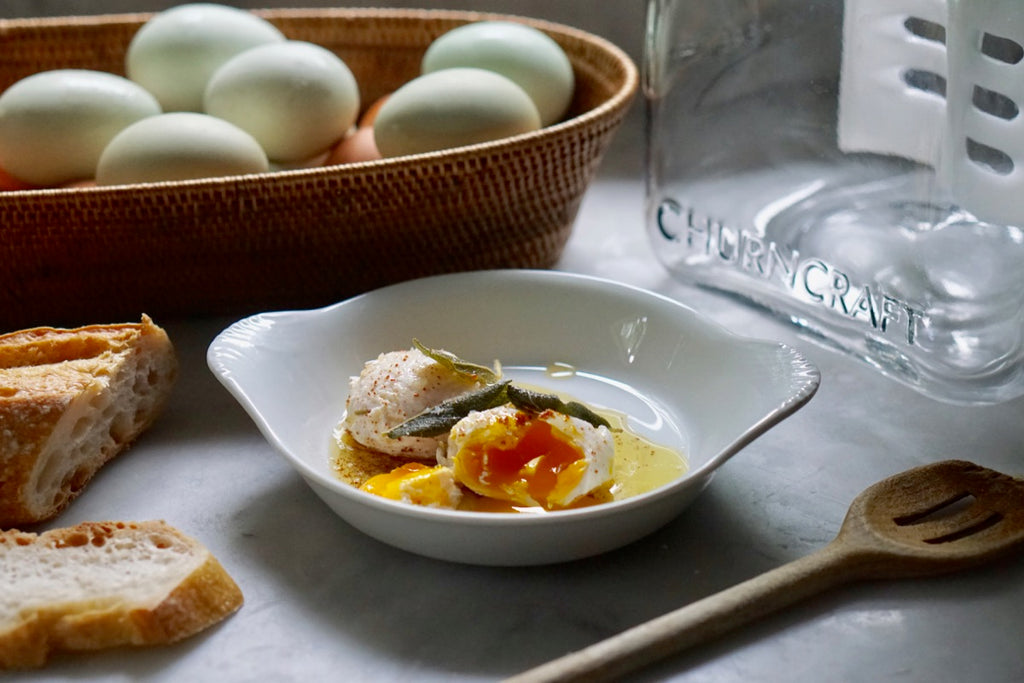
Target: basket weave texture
299	238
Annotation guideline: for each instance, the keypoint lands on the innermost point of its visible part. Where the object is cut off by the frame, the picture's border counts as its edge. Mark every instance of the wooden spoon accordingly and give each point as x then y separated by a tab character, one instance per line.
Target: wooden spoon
934	519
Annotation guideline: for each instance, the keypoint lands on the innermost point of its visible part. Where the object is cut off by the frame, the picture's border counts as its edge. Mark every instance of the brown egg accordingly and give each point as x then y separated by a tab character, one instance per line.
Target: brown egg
9	183
359	146
370	115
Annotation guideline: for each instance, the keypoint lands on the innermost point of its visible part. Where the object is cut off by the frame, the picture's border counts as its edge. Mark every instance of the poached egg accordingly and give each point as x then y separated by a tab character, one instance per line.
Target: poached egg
545	459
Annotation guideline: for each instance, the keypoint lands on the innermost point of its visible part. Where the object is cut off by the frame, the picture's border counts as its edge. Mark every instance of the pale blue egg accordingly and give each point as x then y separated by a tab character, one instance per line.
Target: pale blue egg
526	55
452	108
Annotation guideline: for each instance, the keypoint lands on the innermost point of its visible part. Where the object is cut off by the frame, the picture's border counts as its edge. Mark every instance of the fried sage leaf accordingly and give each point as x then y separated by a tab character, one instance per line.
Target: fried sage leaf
473	371
525	399
440	418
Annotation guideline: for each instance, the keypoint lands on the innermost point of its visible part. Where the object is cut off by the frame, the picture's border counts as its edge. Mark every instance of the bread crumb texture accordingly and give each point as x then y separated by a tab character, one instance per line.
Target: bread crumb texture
70	400
105	584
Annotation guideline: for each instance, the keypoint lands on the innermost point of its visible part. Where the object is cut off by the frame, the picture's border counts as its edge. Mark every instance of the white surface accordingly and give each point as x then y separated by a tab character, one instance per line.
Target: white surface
291	371
326	603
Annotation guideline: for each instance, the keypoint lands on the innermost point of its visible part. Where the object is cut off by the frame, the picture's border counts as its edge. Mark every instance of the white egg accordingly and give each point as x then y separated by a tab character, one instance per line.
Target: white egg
174	54
55	124
526	55
452	108
179	146
296	98
392	388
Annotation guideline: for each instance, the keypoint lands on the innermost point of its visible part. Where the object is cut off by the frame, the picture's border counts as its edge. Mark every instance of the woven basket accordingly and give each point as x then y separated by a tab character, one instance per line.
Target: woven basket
299	238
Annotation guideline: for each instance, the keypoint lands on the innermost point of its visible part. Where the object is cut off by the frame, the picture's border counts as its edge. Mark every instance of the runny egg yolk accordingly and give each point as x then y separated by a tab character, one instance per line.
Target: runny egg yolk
418	484
525	461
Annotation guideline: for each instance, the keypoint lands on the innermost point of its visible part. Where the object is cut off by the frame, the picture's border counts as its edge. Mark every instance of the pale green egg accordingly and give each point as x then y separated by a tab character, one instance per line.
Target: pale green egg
179	146
526	55
174	54
296	98
452	108
55	124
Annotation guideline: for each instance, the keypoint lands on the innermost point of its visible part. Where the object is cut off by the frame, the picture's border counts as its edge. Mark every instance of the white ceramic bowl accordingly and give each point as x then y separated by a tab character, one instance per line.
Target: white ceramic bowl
684	381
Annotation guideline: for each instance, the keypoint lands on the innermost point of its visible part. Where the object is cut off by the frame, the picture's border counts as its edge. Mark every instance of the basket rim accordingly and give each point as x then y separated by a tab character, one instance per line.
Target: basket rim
618	102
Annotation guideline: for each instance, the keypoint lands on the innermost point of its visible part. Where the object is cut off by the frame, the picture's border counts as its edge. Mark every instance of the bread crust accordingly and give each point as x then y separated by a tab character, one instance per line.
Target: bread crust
71	400
110	616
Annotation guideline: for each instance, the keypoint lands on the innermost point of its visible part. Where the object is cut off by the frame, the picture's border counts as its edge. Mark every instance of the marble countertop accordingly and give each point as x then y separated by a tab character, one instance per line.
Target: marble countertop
325	602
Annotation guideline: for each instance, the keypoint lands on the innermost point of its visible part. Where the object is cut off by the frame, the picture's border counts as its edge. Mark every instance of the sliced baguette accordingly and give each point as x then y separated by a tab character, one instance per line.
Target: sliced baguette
105	584
70	400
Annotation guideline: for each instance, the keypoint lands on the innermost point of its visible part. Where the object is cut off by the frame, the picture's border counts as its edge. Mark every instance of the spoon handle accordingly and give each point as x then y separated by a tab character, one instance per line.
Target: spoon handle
700	621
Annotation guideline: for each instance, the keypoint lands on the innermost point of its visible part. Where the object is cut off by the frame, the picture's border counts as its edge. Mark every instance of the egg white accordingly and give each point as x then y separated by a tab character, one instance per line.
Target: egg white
392	388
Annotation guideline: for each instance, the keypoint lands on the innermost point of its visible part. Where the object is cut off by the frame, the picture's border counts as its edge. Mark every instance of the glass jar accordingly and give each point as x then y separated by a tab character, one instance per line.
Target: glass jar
855	168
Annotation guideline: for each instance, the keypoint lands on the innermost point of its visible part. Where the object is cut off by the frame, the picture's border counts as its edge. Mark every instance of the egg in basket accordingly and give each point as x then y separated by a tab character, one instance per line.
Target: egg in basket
305	233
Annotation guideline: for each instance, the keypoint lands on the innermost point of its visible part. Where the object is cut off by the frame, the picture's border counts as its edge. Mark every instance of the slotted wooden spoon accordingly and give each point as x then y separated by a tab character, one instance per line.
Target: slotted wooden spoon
929	520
